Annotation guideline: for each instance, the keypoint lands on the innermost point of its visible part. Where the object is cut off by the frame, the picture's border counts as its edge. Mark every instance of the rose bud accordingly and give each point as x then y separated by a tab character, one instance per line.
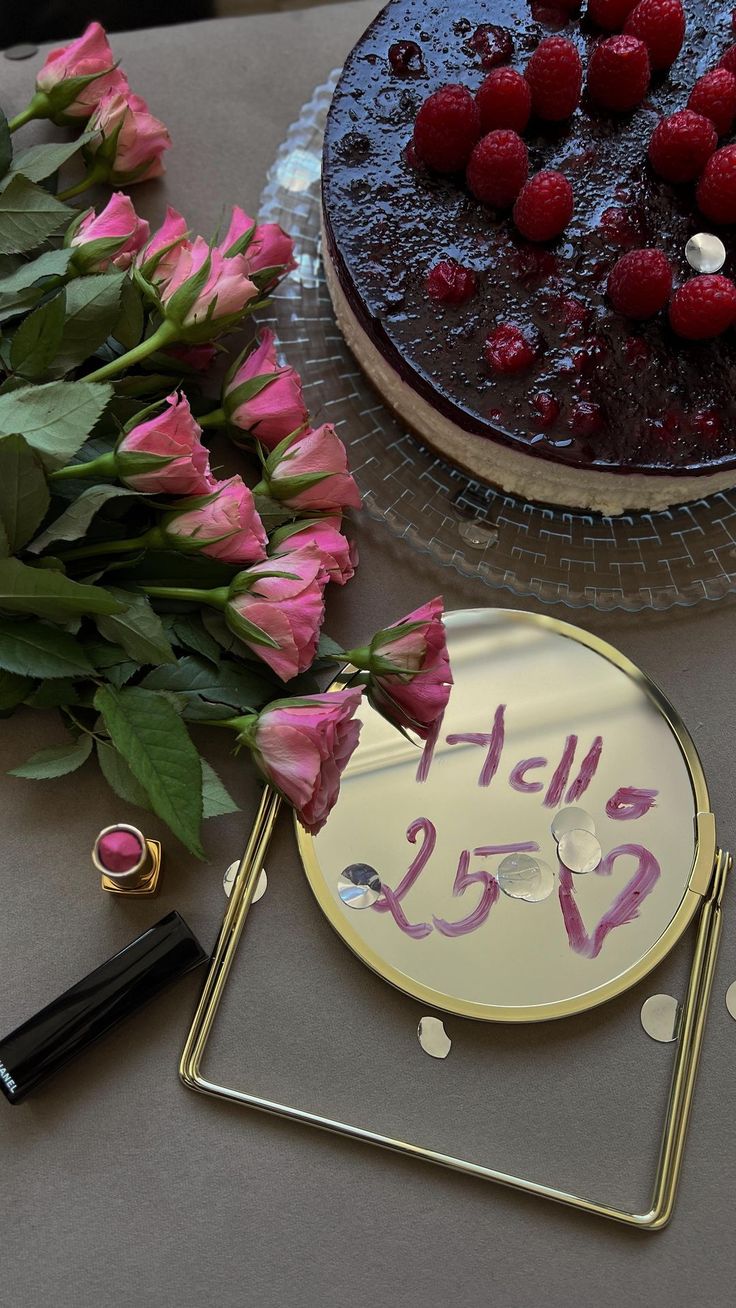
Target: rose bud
339	555
277	608
262	396
75	77
206	293
165	454
159	256
268	251
409	679
108	239
310	471
223	525
129	144
302	747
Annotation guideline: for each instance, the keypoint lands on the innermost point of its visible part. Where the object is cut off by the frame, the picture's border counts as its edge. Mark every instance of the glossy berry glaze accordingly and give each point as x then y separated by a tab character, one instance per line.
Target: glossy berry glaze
603	391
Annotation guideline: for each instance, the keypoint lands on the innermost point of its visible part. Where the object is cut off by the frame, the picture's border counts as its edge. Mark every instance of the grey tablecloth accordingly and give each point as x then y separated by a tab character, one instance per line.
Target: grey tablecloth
119	1187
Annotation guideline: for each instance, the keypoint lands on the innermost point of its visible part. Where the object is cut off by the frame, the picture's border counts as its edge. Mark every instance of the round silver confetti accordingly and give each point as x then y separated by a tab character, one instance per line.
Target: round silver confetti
359	885
580	851
433	1037
705	252
521	876
660	1017
572	819
229	878
731	999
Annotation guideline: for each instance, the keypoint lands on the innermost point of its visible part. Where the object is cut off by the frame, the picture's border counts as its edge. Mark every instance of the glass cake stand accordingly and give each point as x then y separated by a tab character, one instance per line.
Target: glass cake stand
681	556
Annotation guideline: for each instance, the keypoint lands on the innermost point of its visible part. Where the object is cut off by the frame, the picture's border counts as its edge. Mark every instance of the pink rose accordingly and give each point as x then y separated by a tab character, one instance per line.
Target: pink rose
159	257
89	56
410	677
165	454
279	616
339	555
130	142
111	237
224	526
270	248
264	397
303	747
311	472
239	233
199	307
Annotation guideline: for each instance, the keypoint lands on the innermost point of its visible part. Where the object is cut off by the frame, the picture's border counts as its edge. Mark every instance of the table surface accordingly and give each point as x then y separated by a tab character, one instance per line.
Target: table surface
120	1186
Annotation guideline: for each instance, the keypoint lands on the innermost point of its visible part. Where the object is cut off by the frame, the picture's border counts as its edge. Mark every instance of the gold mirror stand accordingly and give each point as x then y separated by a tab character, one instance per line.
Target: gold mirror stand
690	1039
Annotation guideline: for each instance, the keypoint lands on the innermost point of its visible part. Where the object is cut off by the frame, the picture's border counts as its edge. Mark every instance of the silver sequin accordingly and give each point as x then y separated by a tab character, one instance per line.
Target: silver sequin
660	1017
580	851
705	252
521	876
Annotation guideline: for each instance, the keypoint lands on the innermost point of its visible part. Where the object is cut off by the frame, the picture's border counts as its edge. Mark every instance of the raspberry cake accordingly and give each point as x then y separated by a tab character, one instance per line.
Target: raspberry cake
508	193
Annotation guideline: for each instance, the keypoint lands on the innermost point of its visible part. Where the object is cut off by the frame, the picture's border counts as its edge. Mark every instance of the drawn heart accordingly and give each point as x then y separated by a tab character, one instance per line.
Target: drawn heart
625	907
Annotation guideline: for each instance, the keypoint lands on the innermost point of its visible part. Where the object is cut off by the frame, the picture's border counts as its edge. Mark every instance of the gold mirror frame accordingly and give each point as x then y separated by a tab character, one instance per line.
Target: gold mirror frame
705	891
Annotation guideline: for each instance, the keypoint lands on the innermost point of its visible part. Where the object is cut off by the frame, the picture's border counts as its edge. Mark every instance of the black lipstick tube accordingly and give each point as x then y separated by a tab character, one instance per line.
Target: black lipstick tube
90	1008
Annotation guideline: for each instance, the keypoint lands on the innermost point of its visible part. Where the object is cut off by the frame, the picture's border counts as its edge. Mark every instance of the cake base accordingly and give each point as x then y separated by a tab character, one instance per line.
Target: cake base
519	474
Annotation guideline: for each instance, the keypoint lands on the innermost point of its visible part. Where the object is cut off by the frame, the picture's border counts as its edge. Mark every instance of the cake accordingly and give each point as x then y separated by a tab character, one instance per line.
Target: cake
609	412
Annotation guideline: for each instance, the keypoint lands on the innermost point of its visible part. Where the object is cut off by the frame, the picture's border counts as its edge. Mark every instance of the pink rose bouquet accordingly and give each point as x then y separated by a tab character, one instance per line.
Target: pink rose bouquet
302	747
262	396
109	239
309	472
166	595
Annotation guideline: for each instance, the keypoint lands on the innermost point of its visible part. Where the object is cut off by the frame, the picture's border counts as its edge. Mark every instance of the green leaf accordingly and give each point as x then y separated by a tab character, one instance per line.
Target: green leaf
13	690
74	521
55	762
209	693
58	692
120	778
49	594
155	744
29	216
216	801
6	145
55	419
187	630
35	649
42	161
24	495
26	284
137	629
128	329
36	342
92	309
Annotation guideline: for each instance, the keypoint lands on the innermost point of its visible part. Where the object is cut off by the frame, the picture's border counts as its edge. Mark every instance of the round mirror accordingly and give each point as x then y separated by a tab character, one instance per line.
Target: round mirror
540	855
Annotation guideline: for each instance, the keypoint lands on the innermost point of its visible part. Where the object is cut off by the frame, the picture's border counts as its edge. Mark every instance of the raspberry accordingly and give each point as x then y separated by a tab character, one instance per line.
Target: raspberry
508	349
547	407
406	58
585	419
703	307
640	283
716	192
714	95
555	76
681	145
450	282
707	426
504	100
610	14
446	129
728	60
544	206
492	43
498	168
618	73
660	24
